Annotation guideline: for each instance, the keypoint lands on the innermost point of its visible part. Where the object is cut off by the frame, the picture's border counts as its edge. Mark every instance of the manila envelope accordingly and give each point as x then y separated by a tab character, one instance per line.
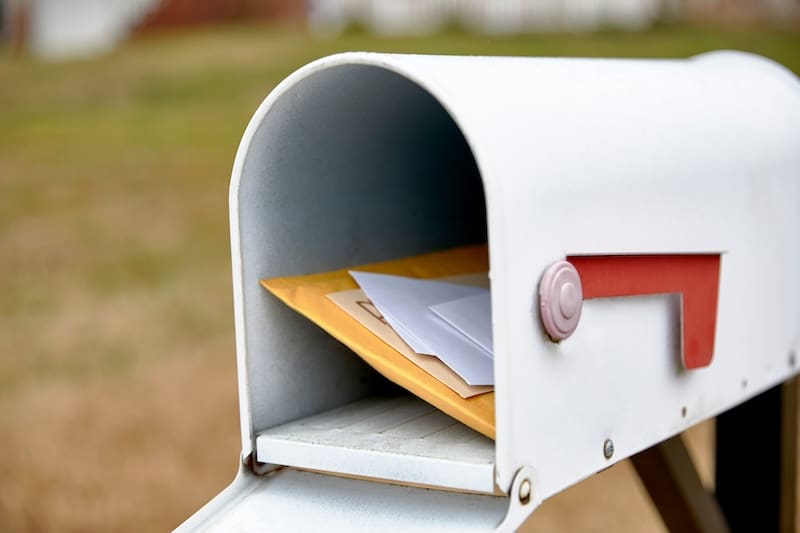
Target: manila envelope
356	304
309	295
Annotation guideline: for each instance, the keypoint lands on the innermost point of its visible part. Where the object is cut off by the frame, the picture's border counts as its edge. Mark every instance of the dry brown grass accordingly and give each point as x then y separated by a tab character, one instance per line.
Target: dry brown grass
132	454
118	402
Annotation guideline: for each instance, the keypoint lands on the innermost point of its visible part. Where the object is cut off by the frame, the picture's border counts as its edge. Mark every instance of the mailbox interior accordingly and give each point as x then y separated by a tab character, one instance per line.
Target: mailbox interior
346	165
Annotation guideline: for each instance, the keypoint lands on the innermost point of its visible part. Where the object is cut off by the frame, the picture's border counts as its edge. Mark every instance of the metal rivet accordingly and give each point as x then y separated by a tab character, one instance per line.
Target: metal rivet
683	411
608	448
744	383
560	300
525	492
792	358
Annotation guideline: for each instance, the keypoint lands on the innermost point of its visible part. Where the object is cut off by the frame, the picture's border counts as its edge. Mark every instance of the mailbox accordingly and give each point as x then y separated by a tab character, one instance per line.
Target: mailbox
643	225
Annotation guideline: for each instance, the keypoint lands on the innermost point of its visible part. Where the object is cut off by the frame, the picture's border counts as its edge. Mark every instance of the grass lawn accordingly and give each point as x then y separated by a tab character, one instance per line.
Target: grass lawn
118	406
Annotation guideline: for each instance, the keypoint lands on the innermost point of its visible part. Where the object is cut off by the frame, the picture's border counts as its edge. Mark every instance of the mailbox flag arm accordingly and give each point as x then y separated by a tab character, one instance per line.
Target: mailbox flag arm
694	276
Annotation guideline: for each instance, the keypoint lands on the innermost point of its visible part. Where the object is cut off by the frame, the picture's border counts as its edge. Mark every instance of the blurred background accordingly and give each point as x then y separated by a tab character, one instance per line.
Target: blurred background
119	120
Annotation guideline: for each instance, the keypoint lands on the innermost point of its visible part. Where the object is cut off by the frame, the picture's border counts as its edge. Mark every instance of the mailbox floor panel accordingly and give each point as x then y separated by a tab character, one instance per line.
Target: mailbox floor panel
399	439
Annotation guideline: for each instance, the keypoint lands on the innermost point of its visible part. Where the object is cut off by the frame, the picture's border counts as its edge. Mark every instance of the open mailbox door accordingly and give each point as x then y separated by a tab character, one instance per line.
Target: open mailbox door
645	214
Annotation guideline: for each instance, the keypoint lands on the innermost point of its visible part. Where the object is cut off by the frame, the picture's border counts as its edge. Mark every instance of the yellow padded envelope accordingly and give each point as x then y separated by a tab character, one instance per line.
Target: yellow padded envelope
308	296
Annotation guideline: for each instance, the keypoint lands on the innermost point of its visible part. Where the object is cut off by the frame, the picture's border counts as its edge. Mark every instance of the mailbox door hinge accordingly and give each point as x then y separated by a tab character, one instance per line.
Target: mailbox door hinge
523	499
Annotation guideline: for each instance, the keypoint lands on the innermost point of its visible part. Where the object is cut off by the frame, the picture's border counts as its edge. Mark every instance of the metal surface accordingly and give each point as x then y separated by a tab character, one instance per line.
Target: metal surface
291	500
608	448
329	176
525	492
523	499
363	157
400	439
694	277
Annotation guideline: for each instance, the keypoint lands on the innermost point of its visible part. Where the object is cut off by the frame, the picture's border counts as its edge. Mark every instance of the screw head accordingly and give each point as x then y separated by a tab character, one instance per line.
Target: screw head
560	300
525	492
608	448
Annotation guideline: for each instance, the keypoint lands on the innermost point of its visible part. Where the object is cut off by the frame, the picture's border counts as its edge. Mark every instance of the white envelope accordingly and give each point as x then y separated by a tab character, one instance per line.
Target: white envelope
472	316
405	302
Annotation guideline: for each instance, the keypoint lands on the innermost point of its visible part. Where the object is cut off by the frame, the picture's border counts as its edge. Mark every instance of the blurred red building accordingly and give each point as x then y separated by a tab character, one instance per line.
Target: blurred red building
172	13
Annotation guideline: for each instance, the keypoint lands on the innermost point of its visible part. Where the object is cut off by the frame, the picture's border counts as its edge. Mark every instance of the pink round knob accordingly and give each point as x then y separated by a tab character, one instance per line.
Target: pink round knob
560	300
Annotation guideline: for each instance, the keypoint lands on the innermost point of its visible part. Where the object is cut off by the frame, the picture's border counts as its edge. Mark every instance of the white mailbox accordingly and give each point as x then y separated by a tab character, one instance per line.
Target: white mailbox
667	194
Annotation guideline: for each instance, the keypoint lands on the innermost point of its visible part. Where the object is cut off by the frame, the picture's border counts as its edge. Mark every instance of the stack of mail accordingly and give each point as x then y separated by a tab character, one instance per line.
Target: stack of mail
437	318
423	322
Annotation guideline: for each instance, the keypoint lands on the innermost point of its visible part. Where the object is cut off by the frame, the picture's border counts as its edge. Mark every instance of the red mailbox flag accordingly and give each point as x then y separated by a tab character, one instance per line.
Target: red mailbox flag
695	277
